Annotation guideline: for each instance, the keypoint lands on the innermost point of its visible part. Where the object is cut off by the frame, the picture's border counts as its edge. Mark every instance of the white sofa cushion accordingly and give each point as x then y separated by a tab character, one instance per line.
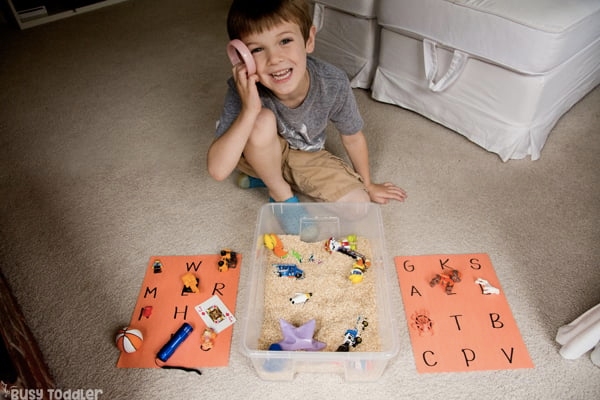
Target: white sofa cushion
362	8
347	39
529	36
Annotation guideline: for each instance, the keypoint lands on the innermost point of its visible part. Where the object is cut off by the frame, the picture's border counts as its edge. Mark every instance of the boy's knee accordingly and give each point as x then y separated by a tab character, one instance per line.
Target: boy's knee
265	128
266	117
355	196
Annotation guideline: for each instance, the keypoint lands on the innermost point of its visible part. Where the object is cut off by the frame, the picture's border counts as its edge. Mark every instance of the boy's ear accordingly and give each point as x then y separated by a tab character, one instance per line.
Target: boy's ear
310	42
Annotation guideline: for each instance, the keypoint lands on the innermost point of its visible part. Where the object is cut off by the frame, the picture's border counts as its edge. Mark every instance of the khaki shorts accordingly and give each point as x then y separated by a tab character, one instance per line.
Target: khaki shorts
319	175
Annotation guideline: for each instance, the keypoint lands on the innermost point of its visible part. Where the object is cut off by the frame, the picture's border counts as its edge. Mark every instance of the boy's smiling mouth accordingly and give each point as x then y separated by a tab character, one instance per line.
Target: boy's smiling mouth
282	75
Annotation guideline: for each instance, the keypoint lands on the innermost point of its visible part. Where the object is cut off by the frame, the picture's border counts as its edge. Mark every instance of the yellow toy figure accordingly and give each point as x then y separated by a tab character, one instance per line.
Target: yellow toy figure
272	242
356	275
190	281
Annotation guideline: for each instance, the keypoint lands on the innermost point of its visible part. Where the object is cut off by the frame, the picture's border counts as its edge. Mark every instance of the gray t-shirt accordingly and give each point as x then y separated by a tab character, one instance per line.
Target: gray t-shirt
329	98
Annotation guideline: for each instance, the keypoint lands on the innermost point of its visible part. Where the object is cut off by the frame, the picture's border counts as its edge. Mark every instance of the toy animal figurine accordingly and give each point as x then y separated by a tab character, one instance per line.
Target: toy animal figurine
487	287
447	280
296	255
272	242
300	298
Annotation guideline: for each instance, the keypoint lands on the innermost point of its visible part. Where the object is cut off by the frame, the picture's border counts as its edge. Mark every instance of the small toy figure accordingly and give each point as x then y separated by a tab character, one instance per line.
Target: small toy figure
228	260
300	298
145	312
356	275
447	280
190	283
296	255
272	242
421	322
312	259
487	288
157	266
332	245
208	339
289	270
352	336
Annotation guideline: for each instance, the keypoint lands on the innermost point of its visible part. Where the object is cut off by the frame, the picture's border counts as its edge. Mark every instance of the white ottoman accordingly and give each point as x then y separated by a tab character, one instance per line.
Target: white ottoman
499	73
347	37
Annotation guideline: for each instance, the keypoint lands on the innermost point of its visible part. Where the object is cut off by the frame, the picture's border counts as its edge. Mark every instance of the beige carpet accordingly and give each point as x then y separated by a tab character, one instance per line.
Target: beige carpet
106	119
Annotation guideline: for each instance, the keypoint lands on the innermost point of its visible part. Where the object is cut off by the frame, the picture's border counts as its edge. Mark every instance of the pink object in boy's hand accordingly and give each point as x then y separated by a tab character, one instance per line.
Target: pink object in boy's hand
236	49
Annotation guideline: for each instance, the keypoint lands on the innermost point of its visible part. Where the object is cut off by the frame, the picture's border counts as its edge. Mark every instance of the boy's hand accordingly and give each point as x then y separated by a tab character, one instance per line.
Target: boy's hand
382	193
246	87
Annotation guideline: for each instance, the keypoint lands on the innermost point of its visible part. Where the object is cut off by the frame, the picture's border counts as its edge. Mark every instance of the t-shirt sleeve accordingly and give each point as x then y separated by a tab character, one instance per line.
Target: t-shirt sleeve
346	116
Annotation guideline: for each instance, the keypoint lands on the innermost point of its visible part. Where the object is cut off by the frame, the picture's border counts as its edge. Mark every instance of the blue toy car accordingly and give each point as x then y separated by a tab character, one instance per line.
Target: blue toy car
289	270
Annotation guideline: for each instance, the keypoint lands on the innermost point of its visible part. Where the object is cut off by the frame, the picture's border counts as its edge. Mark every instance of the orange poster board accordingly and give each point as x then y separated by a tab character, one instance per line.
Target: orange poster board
465	327
165	303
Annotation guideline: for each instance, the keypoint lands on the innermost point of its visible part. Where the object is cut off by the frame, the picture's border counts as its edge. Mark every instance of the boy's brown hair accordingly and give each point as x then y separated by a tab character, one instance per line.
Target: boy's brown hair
254	16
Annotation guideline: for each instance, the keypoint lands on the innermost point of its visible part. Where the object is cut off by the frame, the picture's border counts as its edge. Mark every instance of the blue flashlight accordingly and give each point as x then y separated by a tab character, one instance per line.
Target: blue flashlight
169	348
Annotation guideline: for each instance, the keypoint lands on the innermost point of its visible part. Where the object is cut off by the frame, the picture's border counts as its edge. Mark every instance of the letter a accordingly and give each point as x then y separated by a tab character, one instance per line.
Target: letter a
415	290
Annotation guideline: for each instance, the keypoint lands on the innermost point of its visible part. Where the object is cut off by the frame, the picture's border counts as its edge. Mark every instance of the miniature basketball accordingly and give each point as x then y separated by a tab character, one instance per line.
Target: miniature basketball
129	340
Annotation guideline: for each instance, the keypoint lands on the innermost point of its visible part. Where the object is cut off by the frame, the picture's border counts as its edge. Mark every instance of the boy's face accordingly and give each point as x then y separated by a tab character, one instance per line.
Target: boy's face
280	56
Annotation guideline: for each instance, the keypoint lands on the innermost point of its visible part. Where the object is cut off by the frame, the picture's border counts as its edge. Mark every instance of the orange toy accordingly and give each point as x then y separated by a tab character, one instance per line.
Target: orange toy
190	282
208	339
272	242
129	340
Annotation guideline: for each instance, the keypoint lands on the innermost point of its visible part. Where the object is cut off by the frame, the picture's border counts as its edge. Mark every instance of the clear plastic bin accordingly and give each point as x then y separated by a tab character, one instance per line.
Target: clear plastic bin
331	219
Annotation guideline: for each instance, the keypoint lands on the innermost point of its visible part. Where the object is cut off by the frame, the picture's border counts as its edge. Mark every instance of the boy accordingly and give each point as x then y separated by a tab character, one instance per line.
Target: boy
273	123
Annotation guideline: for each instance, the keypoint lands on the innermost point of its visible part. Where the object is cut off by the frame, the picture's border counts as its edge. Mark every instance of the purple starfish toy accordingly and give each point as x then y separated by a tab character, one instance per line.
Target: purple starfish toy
300	338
